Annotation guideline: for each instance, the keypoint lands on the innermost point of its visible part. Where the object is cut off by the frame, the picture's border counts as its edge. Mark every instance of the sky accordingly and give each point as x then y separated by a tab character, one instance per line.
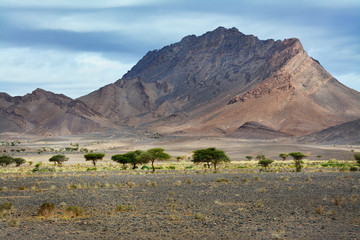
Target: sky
77	46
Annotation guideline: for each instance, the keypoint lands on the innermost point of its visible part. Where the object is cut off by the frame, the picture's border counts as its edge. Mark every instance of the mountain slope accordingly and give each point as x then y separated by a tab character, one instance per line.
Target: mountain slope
46	113
203	85
345	133
220	80
254	130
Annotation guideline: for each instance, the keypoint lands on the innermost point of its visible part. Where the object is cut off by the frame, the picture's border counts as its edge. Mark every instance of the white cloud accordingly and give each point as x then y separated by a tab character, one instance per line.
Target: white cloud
80	73
83	4
77	73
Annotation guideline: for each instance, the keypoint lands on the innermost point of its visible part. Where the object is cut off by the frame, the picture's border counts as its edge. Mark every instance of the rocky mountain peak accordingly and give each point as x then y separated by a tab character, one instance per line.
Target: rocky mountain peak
212	83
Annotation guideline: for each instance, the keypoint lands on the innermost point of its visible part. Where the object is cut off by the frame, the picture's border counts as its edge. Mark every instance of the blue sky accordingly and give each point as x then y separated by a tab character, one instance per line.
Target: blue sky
75	47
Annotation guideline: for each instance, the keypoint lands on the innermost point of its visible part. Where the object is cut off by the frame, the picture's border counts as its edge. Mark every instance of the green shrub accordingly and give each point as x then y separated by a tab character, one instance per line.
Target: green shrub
91	169
333	163
145	167
189	167
124	208
242	166
357	157
75	210
222	180
354	169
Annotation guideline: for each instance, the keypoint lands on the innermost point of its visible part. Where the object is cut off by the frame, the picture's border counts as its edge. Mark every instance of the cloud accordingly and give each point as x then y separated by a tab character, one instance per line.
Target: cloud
75	4
58	71
95	42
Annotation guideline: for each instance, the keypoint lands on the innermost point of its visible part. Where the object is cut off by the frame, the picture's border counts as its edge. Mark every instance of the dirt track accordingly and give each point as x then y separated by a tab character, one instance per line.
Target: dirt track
185	205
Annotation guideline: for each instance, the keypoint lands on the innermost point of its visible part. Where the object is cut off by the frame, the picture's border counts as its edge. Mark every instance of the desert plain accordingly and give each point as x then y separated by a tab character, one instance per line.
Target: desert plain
180	200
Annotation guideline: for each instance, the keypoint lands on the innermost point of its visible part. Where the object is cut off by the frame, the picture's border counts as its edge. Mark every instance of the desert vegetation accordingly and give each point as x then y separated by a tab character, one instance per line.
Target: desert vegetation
210	156
59	159
94	157
160	193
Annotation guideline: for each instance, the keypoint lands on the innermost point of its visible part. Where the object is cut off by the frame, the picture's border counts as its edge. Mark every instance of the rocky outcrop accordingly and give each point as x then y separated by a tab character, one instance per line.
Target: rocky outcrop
255	130
45	113
345	133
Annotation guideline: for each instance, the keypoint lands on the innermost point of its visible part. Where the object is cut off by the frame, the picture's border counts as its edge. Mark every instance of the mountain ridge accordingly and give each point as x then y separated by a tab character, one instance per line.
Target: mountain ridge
210	84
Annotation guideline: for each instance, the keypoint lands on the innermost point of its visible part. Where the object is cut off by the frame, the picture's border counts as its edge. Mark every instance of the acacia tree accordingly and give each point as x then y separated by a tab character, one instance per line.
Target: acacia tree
249	157
129	157
265	162
153	154
298	156
6	160
283	156
59	159
120	158
18	161
94	157
210	156
260	156
134	158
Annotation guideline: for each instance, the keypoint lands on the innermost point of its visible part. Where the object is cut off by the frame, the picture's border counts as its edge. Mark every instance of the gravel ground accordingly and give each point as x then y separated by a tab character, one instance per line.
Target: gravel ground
183	205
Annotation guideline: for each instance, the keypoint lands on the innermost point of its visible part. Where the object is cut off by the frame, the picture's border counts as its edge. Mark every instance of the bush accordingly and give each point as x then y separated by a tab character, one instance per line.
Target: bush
43	169
333	163
357	157
353	169
222	180
46	209
75	210
5	208
124	208
19	161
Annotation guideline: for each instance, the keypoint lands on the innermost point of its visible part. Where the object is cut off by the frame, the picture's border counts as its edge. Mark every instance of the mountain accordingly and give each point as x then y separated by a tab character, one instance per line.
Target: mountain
221	83
46	113
254	130
345	133
214	83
